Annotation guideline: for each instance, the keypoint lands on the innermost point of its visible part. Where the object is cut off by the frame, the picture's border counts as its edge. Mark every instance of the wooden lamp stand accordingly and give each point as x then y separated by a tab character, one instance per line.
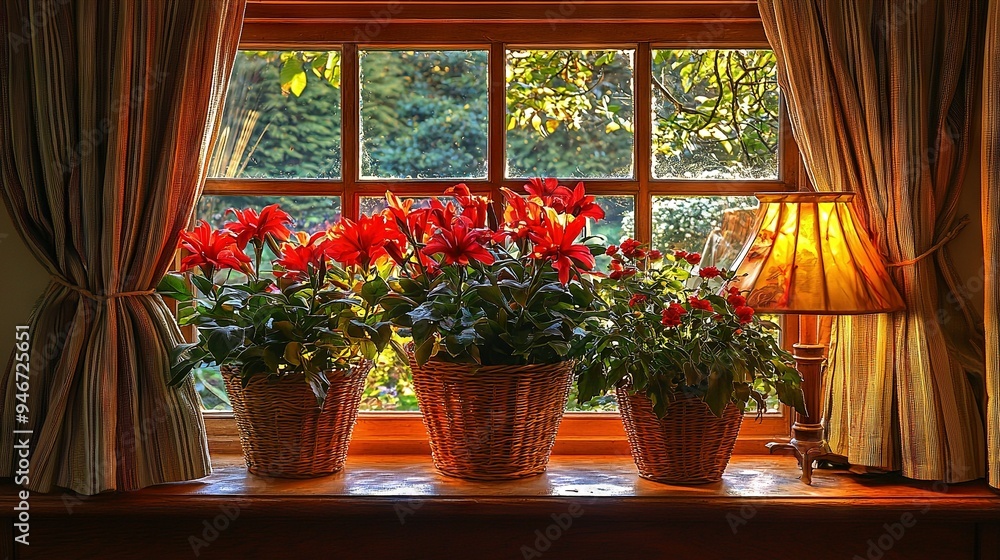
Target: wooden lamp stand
808	442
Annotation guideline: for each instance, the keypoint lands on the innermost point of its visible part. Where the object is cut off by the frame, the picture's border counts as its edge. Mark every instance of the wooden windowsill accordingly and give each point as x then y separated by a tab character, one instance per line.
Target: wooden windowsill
582	507
372	485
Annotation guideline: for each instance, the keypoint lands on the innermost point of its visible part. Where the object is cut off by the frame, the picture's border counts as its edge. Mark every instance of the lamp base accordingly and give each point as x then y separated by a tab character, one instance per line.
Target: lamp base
808	447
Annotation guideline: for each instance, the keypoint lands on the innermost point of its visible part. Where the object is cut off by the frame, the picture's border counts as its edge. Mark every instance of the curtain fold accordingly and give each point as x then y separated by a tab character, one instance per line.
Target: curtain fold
880	96
991	233
107	116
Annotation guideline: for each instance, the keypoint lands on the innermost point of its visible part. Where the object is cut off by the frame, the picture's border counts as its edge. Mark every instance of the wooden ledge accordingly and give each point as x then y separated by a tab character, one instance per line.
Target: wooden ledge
583	507
605	485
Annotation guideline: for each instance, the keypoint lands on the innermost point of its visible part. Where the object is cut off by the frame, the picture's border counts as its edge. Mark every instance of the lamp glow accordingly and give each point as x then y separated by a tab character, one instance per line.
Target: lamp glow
810	257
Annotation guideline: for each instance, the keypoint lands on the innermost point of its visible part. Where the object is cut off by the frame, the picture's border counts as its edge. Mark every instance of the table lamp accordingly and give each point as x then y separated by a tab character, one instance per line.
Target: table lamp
809	257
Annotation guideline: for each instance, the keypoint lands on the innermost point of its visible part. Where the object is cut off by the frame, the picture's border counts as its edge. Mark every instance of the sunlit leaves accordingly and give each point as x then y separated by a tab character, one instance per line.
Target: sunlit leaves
549	89
716	114
325	65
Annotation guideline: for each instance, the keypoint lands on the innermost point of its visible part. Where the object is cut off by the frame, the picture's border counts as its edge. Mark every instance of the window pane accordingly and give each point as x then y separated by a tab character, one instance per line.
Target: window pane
309	213
715	226
390	384
424	114
715	114
618	223
281	118
569	114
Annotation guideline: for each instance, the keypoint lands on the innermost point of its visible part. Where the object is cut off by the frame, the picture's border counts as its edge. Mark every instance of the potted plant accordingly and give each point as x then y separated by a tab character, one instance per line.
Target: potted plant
686	356
494	307
295	344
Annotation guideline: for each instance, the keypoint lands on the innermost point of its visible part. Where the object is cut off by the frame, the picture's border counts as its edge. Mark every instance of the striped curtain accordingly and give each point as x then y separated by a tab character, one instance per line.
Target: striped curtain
107	114
991	234
880	96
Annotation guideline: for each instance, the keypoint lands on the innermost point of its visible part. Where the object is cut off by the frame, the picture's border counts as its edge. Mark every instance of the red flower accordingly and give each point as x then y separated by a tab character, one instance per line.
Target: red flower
636	299
655	255
211	250
681	254
546	189
363	242
520	216
639	254
578	204
395	252
733	290
556	242
398	209
250	226
736	300
698	303
744	313
709	272
408	219
611	250
629	247
575	202
618	271
460	244
692	258
475	209
299	261
671	316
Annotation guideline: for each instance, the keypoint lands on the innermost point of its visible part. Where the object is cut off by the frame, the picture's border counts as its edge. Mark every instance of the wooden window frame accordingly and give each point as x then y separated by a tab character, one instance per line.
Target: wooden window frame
496	27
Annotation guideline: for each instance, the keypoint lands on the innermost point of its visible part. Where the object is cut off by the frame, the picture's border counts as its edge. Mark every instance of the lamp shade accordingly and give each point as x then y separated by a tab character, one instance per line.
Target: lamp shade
810	257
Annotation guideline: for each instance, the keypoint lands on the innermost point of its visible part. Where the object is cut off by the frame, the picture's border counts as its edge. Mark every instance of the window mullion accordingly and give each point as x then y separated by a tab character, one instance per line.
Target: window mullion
351	129
788	149
643	130
497	99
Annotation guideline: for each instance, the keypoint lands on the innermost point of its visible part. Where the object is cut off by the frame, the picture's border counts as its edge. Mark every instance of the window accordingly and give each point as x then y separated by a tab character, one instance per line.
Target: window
569	114
672	122
424	114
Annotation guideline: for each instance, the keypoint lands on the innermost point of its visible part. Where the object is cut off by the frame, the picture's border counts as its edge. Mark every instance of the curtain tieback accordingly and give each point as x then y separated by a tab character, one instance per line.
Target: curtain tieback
964	221
101	298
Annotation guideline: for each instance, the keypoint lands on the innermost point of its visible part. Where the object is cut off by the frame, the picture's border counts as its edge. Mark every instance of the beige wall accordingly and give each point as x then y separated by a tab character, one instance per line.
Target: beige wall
21	282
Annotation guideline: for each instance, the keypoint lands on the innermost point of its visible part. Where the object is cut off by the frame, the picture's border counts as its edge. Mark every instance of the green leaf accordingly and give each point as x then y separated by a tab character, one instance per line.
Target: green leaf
184	358
293	77
203	284
222	341
399	351
424	351
175	286
319	385
374	290
590	383
492	294
719	392
293	353
286	328
691	375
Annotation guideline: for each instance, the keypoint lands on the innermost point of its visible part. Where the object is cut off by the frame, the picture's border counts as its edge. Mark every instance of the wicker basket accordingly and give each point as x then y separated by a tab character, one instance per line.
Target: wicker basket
282	433
690	445
497	424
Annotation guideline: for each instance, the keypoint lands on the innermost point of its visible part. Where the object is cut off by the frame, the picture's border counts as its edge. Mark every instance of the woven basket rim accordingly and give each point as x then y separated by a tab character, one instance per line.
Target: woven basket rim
677	393
358	369
498	368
